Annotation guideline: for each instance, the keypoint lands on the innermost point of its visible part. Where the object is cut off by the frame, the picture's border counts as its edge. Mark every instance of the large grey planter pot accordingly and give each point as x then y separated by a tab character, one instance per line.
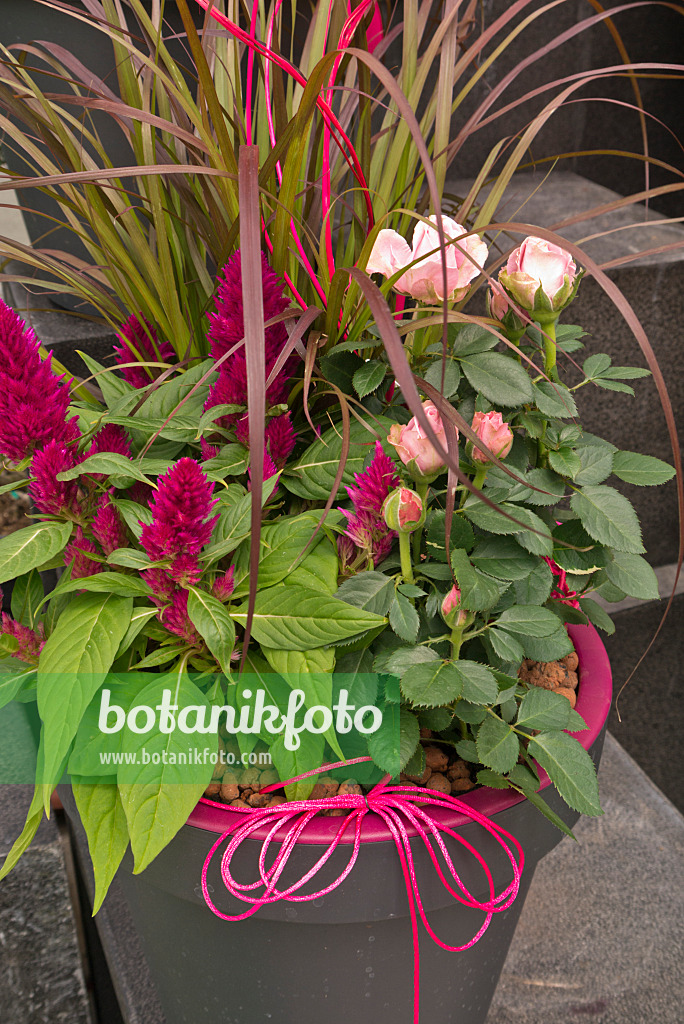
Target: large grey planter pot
348	956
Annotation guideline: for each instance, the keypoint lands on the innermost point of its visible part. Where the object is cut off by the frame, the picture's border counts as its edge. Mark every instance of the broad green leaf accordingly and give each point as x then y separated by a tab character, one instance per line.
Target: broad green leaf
608	517
282	545
551	487
437	719
313	475
73	664
133	514
27	598
318	569
34	817
299	619
585	556
595	365
395	741
478	592
369	377
597	615
108	583
543	709
12	682
596	464
214	624
643	470
554	400
633	575
129	558
452	376
497	745
231	461
29	548
372	591
565	461
498	377
547	648
104	821
139	619
570	768
109	464
289	764
94	751
403	618
432	684
503	558
479	684
157	798
528	620
232	526
505	646
535	588
462	535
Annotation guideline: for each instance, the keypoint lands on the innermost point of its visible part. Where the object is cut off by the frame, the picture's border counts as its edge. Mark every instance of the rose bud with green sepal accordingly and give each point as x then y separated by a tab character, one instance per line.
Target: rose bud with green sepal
404	510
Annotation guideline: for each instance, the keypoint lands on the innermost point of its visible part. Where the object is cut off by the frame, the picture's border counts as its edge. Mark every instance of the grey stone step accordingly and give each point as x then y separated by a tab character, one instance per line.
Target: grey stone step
654	286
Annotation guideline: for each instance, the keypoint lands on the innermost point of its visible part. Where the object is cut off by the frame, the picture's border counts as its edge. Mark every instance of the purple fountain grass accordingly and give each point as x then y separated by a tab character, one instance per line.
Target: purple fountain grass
33	400
138	343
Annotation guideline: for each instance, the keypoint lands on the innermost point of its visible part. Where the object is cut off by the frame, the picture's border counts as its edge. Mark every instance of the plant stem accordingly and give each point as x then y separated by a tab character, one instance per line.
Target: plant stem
550	350
480	475
456	641
405	555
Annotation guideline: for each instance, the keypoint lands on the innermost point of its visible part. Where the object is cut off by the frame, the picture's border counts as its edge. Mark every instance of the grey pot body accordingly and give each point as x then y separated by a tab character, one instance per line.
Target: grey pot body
346	957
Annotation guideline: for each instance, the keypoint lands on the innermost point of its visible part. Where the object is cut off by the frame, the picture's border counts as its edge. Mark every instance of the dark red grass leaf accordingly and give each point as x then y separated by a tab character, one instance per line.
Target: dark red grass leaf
255	352
294	341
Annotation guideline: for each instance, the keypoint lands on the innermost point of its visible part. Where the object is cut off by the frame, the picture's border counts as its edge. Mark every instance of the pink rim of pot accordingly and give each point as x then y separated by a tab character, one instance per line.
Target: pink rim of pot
593	704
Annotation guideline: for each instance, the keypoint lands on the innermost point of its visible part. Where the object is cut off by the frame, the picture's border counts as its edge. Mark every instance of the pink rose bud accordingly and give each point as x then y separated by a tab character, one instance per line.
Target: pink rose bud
452	613
535	265
498	301
404	510
414	448
425	281
492	431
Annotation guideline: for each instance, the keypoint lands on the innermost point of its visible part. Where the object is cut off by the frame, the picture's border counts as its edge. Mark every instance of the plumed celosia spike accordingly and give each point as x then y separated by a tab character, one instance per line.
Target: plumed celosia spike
30	641
56	497
76	555
161	585
108	530
227	329
223	586
280	439
177	620
140	493
137	341
111	438
209	451
375	483
180	509
33	400
185	570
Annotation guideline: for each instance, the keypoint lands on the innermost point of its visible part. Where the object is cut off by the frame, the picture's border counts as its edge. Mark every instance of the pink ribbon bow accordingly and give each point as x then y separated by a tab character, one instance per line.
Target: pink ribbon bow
397	806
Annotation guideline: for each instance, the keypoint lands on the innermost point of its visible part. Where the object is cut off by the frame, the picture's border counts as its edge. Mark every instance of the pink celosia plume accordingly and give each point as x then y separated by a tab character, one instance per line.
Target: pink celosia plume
181	507
30	641
56	497
108	529
76	554
137	341
366	527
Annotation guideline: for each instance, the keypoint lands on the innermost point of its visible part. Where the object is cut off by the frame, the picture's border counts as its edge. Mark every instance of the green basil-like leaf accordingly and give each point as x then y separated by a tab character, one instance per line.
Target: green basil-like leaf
31	547
214	625
104	821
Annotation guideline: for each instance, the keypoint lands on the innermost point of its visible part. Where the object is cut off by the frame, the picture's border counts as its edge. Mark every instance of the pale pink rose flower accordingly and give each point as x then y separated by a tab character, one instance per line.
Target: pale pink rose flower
492	431
411	441
538	263
424	281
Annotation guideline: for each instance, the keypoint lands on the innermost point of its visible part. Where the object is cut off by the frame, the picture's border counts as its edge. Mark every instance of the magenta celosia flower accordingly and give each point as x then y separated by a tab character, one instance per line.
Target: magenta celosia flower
181	508
110	438
33	400
108	530
227	329
56	497
140	493
209	451
223	586
161	585
280	439
76	555
177	620
366	527
185	570
137	343
30	641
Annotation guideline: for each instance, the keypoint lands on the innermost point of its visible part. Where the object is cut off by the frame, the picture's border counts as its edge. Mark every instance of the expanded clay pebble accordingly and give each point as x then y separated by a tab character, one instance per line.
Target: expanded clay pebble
438	782
436	759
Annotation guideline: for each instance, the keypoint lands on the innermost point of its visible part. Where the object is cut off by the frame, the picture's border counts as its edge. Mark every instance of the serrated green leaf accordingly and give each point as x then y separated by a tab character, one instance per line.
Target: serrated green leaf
212	621
536	588
608	517
503	558
596	464
506	646
625	373
543	709
548	648
570	769
299	619
633	575
498	377
437	719
29	548
398	662
452	376
642	470
395	741
595	365
528	620
479	684
554	400
432	684
465	339
372	591
597	615
104	821
403	618
565	461
462	535
497	745
585	556
478	592
551	487
369	377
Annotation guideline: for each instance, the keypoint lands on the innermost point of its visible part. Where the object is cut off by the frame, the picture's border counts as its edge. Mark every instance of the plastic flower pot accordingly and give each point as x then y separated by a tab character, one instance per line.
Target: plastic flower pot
349	955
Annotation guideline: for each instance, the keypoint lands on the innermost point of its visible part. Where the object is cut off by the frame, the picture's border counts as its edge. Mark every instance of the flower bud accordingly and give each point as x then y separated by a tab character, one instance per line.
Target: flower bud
415	449
404	510
499	308
452	613
541	278
492	431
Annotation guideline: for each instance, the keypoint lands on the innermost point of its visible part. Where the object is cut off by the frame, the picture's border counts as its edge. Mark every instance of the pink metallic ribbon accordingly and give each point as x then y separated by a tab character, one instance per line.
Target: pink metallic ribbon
397	806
